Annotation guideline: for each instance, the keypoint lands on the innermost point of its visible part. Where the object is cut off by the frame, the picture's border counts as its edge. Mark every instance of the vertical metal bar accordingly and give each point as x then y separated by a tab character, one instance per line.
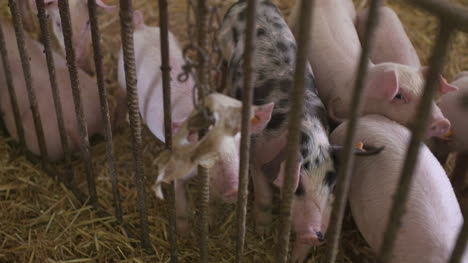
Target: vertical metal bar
126	19
55	91
166	80
295	116
95	34
245	132
17	23
11	89
344	171
70	55
420	125
460	246
202	18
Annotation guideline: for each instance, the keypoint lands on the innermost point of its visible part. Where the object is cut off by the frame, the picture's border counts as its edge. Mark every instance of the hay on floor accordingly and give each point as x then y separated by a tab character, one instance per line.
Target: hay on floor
41	221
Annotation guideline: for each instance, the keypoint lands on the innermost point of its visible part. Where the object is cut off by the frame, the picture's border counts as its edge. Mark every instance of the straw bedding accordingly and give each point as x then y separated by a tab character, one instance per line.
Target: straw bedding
41	221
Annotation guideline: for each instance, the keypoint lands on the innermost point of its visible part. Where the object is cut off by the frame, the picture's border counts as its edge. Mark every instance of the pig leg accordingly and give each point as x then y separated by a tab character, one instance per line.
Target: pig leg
182	207
263	193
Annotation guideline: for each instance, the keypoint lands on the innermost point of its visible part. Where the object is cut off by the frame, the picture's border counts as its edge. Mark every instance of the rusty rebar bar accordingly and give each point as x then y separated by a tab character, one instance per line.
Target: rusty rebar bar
420	125
18	25
126	24
96	38
202	19
45	36
166	81
247	97
462	242
347	158
453	14
11	89
294	117
64	10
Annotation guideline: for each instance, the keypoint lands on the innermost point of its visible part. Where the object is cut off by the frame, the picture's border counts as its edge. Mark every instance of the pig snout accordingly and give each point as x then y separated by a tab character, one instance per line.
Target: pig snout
438	128
230	195
311	238
225	183
440	125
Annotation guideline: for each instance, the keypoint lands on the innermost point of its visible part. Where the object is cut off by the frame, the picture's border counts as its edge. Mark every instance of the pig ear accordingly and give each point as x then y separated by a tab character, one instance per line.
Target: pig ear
279	181
383	84
262	117
176	125
445	87
137	18
101	3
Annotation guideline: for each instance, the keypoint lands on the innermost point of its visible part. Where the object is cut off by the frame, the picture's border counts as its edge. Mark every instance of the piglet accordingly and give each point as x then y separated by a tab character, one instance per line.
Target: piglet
433	218
41	86
224	173
274	64
393	90
80	26
455	107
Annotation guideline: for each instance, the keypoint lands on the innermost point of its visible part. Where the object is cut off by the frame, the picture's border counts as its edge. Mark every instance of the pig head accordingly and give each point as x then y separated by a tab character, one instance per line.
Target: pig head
80	27
395	91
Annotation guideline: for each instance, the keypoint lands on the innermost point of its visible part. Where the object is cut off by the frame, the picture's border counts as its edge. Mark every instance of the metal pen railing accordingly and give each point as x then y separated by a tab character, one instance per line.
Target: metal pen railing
451	18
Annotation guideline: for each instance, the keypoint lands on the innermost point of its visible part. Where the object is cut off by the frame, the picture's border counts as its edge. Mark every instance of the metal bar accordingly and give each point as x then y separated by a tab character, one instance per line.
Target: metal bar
55	91
11	89
344	170
295	117
420	125
126	19
95	34
18	25
460	246
247	97
202	21
456	15
166	81
81	119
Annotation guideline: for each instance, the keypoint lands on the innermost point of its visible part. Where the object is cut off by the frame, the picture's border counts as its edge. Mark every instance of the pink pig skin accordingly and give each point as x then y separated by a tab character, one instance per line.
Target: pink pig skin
41	85
224	175
433	218
391	43
394	90
80	26
451	106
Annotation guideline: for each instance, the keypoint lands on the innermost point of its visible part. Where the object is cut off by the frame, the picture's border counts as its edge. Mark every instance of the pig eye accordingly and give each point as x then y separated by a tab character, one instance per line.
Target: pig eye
399	98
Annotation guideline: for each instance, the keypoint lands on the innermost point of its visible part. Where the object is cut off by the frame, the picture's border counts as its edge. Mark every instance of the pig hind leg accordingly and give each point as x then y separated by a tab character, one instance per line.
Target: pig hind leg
263	193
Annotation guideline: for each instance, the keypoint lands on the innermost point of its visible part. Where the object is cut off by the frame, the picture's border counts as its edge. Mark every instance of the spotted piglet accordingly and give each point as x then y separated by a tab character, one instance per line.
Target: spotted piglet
274	65
224	174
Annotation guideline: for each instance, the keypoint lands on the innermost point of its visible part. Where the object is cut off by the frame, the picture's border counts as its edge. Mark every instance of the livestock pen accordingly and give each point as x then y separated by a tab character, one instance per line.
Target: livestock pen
54	219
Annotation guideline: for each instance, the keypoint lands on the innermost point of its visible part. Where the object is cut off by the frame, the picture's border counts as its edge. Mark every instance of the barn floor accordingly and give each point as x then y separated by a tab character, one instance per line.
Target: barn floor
41	221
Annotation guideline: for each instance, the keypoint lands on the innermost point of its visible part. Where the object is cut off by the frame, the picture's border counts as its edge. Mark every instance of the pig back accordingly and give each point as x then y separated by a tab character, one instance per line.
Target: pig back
42	89
433	217
150	90
334	48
